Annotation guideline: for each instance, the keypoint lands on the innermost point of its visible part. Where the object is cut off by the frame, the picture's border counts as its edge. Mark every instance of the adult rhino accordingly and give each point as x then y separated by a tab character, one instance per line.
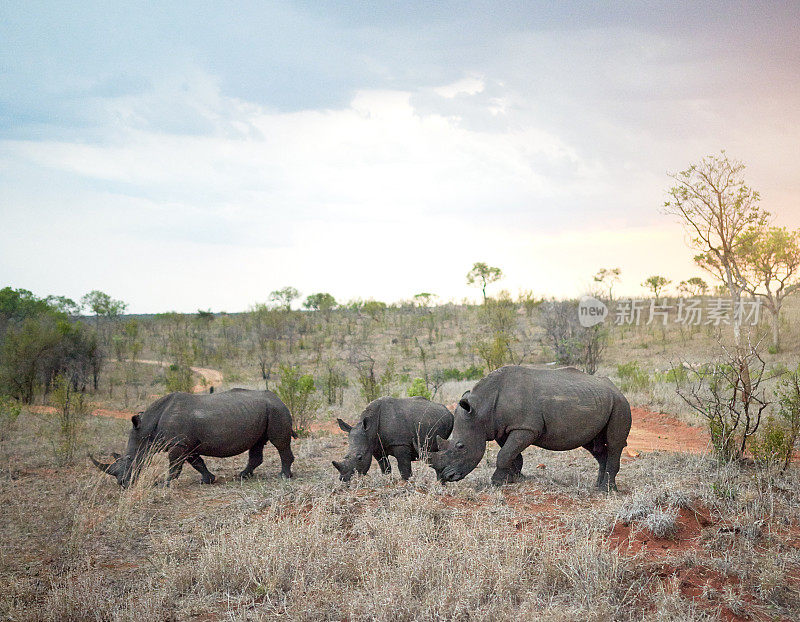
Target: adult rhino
556	409
189	426
401	427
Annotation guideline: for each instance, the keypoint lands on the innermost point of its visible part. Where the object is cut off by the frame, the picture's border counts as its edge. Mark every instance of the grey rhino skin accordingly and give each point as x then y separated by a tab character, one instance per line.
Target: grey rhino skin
557	409
189	426
401	427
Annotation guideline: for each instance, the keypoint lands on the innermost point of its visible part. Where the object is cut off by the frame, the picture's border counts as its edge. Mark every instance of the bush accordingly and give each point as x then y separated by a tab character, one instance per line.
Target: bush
632	377
780	437
9	411
418	388
73	409
297	392
179	378
770	447
473	372
674	375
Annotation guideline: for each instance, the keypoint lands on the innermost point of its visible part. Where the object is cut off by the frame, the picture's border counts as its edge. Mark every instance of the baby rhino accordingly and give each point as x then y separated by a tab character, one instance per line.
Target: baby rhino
390	426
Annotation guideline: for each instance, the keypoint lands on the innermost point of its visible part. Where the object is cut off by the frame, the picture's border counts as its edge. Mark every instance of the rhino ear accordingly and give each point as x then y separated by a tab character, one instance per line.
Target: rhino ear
442	444
464	403
344	426
367	421
136	420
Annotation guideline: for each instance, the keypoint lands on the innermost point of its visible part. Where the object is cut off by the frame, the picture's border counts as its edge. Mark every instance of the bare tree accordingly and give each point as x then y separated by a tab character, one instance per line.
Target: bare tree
716	207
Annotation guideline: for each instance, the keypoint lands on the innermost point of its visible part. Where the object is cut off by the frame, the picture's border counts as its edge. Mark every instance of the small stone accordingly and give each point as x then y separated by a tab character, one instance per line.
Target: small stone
541	466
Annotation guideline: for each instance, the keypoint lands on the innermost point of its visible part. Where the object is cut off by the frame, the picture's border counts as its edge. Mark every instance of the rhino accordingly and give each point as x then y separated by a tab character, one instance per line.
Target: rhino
405	428
556	409
220	424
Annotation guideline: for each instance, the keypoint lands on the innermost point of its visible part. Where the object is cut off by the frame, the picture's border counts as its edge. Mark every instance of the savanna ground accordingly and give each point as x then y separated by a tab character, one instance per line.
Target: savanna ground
685	538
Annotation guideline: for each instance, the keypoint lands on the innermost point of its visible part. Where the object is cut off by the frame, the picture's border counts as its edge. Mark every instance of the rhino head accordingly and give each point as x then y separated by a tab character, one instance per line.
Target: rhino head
126	468
360	439
458	456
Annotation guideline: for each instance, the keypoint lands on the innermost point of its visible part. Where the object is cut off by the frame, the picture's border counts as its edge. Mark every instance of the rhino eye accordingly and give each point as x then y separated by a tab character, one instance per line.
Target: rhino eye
359	456
459	445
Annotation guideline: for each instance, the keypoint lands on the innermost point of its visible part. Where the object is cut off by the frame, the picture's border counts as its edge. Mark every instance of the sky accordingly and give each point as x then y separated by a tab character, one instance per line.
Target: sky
181	156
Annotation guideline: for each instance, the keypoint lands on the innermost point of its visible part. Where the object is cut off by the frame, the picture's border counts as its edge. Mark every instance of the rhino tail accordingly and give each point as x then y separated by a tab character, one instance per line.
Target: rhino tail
294	434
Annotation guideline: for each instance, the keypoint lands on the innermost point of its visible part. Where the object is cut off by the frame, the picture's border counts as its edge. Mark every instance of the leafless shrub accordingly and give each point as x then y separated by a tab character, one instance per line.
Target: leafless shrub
730	396
572	343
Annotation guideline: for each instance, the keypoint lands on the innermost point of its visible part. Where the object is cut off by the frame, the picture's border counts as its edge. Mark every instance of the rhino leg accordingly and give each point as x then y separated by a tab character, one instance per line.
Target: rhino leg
599	450
614	455
517	464
176	457
281	438
404	456
509	460
255	457
383	462
199	464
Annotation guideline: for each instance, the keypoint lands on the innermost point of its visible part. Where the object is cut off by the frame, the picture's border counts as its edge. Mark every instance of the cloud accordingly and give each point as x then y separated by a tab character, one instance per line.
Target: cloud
465	86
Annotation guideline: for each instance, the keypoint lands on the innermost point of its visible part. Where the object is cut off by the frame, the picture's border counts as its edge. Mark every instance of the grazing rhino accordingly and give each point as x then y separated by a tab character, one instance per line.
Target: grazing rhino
401	427
189	426
557	409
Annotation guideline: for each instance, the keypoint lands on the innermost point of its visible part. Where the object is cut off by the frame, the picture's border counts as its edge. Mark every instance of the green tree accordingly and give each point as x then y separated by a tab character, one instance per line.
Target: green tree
322	302
770	258
716	207
374	308
607	278
483	275
656	284
694	286
103	305
424	299
284	297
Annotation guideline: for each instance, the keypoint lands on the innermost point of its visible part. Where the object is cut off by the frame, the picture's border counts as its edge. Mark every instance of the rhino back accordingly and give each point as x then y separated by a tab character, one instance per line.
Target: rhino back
218	424
403	419
569	407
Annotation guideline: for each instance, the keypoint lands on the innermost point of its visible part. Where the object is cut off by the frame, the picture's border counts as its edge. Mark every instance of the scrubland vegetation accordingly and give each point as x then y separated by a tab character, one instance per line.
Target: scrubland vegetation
688	537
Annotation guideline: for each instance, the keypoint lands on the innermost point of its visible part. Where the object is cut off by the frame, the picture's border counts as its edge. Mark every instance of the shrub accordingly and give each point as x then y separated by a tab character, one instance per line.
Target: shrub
632	377
781	437
675	375
297	392
418	388
473	372
770	446
73	409
179	378
730	395
9	411
334	383
372	386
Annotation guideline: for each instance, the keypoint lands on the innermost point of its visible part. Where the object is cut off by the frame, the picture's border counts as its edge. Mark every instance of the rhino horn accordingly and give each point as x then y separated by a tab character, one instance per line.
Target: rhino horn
338	465
442	444
111	469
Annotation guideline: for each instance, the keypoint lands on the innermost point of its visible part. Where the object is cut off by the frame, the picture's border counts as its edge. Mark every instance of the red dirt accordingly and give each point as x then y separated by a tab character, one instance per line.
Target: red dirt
652	431
690	524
